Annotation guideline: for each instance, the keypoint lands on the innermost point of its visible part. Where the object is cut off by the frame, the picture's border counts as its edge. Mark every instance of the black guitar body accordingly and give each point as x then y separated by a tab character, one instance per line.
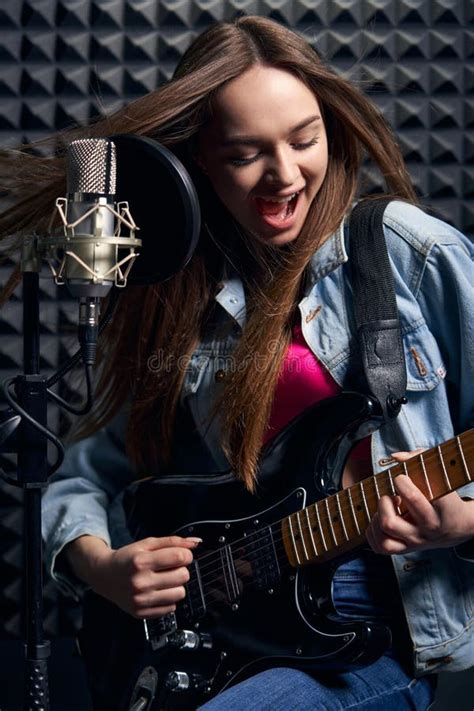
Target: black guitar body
245	609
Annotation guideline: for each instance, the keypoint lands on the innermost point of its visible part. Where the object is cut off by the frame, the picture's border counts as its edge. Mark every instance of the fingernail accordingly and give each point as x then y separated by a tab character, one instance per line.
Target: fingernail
194	539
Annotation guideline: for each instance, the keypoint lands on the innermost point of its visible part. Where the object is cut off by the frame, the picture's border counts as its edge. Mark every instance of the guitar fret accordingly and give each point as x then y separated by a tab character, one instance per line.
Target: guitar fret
310	529
353	510
441	459
422	462
293	541
458	441
365	501
377	492
320	527
301	535
390	479
394	491
341	516
330	521
405	469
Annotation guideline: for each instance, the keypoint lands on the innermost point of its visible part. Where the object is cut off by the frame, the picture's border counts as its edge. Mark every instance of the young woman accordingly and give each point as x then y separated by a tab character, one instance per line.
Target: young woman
274	141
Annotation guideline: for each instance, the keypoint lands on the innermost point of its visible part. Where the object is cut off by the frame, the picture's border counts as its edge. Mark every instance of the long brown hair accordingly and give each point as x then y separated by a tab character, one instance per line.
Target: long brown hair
169	318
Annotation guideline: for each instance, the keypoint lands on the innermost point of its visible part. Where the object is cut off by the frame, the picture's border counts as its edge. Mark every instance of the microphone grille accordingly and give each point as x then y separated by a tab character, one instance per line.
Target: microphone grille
91	166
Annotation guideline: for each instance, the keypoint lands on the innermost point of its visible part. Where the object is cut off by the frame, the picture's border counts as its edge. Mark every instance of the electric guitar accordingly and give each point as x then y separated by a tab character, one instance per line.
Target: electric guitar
254	599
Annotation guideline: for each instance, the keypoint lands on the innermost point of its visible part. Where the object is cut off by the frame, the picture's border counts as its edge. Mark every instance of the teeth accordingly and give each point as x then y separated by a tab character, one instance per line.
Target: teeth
281	200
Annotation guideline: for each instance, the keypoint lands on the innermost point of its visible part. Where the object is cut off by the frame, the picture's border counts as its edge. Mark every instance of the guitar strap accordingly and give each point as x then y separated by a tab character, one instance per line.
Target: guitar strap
375	307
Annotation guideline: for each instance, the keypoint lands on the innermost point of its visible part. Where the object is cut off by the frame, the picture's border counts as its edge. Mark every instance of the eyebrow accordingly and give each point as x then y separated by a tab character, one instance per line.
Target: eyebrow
252	140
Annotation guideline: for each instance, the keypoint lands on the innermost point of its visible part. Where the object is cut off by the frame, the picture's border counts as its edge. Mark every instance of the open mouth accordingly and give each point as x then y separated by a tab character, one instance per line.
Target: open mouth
277	210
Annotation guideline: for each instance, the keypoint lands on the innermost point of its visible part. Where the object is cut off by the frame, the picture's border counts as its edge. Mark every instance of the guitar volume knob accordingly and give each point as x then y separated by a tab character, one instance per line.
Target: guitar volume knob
187	639
177	681
184	639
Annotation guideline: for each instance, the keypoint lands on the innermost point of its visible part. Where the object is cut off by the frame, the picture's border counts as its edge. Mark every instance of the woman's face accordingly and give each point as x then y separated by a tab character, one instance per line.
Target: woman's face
265	151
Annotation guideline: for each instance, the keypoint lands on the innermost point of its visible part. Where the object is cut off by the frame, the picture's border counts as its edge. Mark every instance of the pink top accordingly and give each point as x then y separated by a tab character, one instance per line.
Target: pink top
303	382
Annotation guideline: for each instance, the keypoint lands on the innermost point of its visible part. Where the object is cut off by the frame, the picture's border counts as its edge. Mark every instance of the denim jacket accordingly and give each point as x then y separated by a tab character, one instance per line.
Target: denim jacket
433	274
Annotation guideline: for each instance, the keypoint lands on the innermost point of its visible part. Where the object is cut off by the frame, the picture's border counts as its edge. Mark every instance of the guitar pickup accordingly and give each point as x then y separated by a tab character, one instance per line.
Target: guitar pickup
230	576
261	554
194	604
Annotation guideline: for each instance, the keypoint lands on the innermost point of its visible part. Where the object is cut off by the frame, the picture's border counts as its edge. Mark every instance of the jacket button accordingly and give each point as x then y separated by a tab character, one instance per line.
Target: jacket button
219	375
312	314
385	461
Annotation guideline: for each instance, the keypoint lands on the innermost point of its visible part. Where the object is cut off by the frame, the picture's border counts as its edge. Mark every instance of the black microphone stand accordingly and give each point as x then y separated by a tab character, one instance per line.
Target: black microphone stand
32	477
25	433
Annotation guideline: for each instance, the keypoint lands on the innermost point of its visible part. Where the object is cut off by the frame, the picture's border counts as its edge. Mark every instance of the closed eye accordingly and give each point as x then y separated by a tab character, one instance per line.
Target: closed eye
252	159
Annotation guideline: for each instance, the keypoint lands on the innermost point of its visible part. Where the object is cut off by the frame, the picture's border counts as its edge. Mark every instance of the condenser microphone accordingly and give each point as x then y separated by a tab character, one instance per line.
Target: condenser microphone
91	181
94	247
90	244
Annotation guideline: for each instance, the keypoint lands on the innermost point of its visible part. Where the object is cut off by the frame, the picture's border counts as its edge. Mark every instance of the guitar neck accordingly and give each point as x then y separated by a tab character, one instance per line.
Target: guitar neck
337	524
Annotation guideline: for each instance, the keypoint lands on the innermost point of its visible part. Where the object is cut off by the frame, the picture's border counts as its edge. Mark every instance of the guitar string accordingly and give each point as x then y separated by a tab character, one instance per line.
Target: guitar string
248	582
369	497
213	558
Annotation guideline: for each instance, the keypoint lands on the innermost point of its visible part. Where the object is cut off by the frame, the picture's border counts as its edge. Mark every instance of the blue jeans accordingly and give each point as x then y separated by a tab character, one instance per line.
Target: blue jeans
363	588
383	686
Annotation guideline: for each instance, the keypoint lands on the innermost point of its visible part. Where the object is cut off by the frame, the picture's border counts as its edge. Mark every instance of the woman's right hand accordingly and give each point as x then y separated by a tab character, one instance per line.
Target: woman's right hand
145	578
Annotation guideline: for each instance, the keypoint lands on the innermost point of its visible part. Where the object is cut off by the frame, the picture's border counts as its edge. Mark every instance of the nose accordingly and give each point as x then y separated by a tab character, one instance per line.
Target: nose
283	169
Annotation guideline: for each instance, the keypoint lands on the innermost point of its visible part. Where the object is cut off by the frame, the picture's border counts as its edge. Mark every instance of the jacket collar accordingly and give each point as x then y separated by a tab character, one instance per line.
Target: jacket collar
328	257
232	298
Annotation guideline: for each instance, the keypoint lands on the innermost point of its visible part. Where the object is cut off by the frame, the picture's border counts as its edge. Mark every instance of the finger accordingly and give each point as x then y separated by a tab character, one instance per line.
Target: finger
390	533
152	612
152	543
383	545
144	562
159	598
420	509
403	456
169	558
389	523
162	580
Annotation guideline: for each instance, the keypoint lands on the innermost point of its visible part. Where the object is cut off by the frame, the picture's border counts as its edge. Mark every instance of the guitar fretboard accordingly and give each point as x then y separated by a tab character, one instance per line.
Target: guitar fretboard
333	525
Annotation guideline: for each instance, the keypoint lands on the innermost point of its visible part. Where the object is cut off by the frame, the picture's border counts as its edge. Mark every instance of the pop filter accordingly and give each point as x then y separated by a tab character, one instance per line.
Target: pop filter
164	204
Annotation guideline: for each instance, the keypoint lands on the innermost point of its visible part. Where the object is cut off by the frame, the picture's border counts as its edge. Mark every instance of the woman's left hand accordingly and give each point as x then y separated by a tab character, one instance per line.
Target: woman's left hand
446	522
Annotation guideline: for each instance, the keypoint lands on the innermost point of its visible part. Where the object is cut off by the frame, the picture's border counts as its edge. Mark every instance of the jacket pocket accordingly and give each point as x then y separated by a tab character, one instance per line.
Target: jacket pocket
424	362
